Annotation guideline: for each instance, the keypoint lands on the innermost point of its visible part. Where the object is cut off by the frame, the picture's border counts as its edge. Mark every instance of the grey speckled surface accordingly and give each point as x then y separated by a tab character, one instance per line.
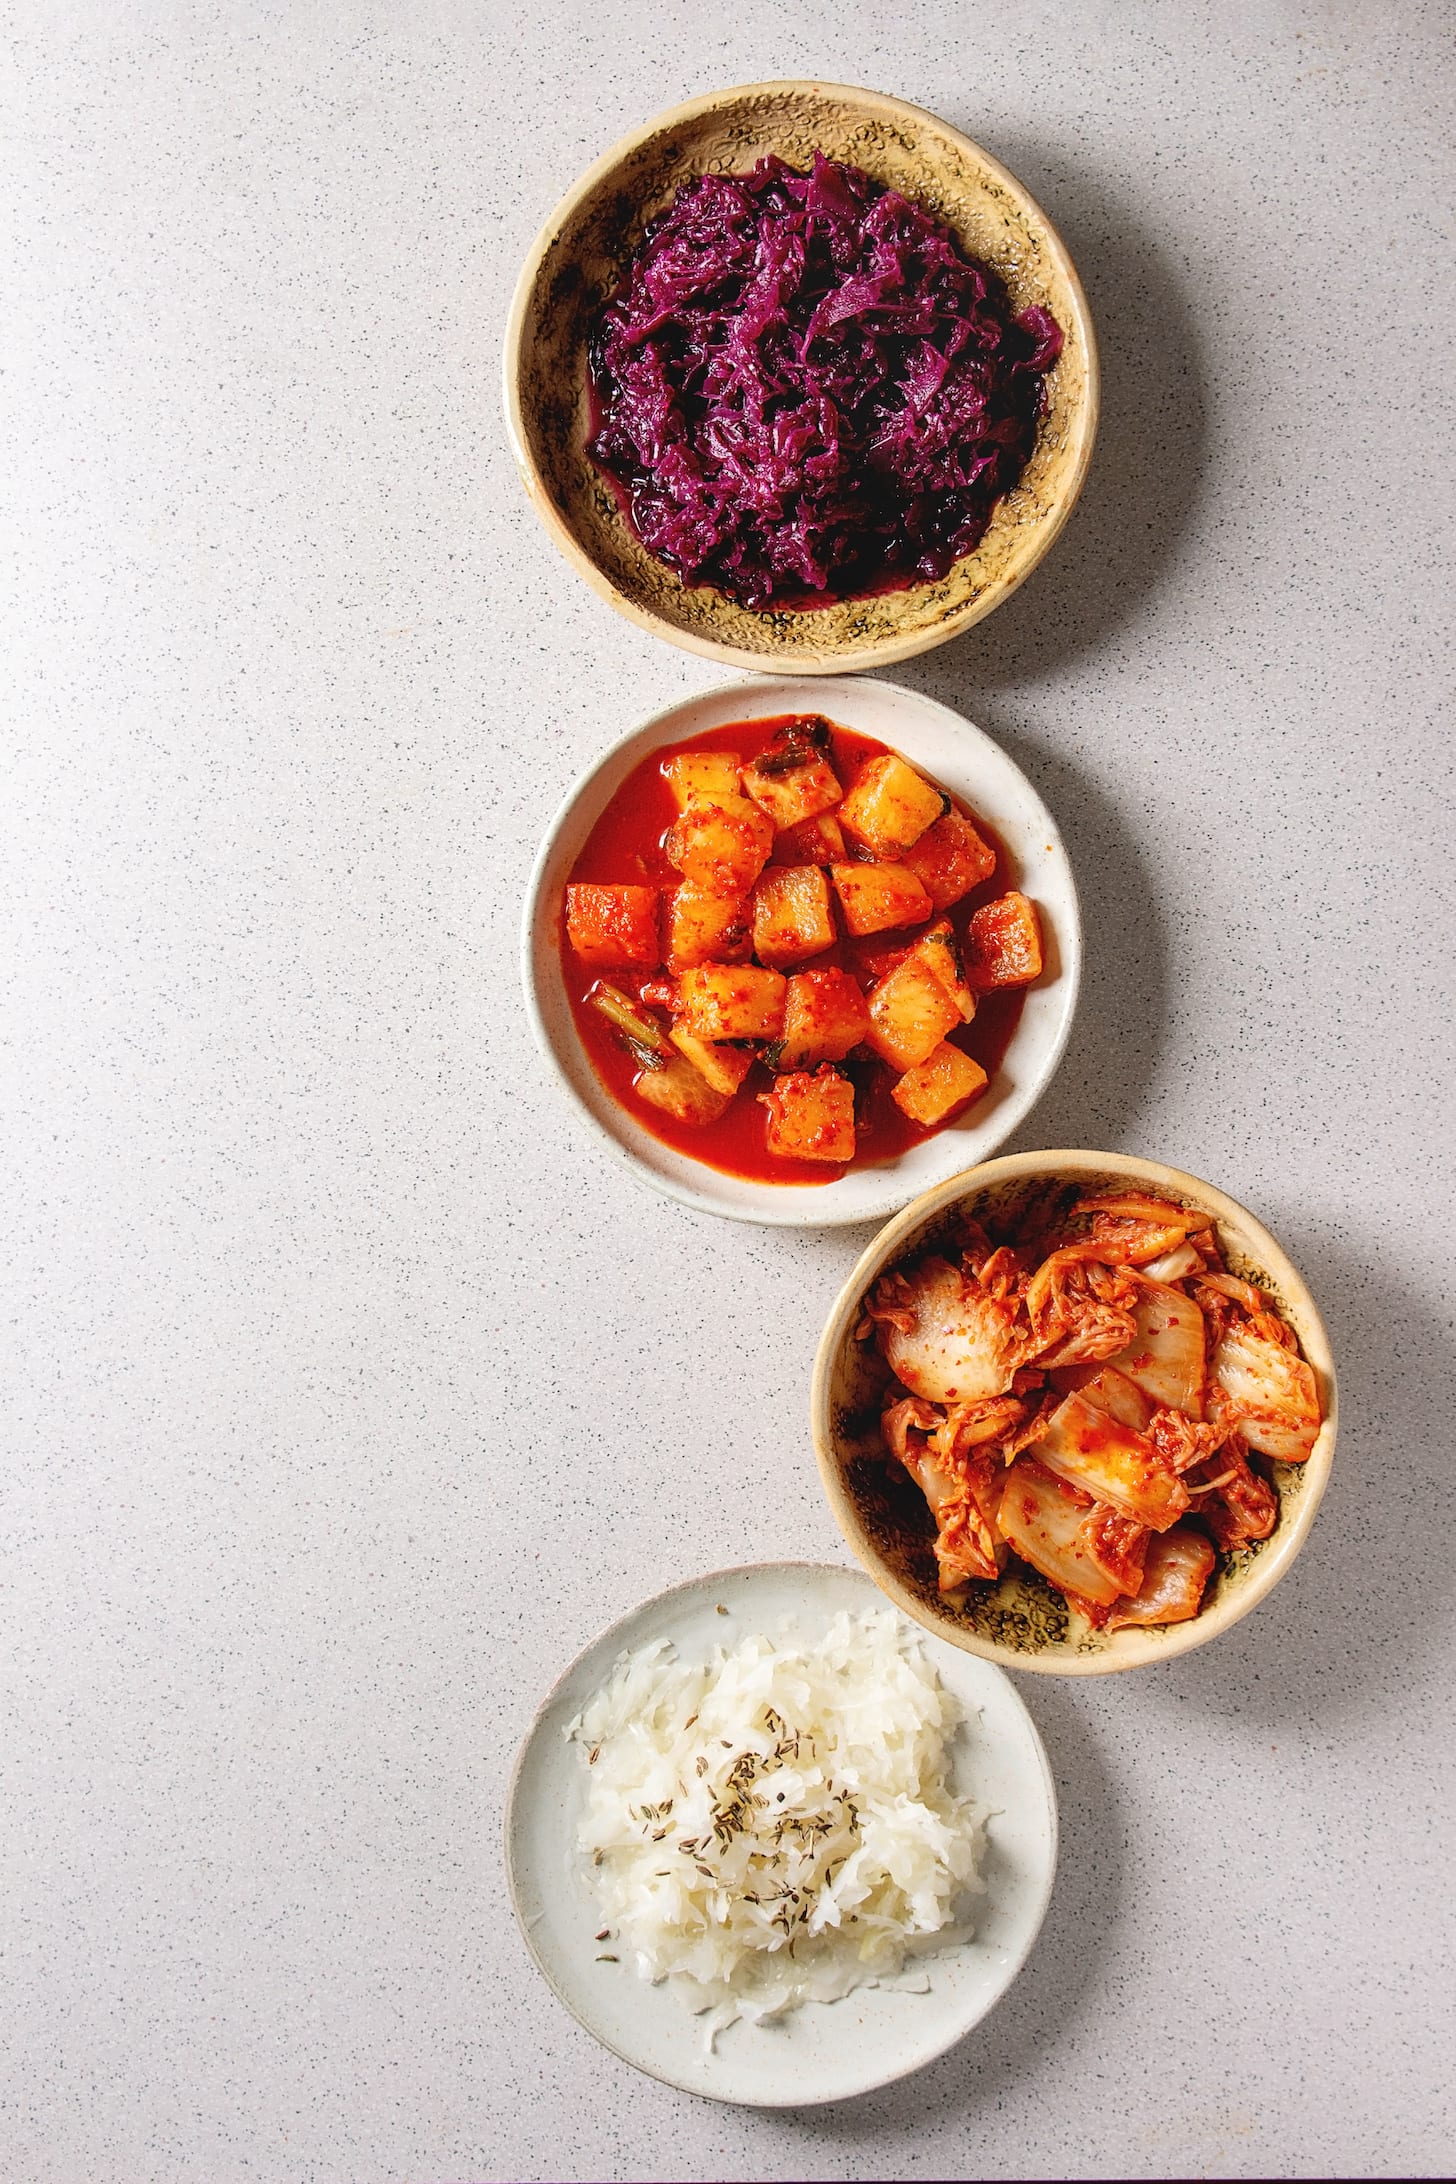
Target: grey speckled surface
347	1389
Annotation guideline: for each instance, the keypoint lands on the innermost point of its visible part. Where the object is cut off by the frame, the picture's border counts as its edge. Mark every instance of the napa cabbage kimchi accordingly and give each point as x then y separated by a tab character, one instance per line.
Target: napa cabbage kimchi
1105	1401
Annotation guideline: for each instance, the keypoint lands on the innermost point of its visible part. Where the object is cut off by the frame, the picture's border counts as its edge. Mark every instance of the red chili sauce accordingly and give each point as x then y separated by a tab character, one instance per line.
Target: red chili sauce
625	848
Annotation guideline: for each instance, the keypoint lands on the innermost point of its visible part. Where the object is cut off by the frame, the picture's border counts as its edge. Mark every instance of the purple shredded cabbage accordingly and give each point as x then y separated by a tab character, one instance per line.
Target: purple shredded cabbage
805	392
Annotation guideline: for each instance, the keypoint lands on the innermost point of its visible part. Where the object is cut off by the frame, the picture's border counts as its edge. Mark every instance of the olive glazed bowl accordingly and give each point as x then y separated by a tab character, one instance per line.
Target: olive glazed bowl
1020	1621
578	260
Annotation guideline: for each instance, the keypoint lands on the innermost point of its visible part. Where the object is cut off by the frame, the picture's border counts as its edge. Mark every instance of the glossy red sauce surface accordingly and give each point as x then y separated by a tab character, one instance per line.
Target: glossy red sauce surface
624	849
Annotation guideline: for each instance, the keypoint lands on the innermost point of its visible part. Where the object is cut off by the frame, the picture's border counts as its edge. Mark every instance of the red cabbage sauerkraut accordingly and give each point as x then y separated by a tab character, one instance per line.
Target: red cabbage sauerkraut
805	391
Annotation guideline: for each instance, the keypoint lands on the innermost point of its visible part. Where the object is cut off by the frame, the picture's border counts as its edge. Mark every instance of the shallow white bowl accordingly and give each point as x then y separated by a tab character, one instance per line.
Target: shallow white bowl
822	2051
944	745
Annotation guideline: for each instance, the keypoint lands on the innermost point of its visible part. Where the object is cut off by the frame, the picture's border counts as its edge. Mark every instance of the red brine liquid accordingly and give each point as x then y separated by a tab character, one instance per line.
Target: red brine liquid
625	848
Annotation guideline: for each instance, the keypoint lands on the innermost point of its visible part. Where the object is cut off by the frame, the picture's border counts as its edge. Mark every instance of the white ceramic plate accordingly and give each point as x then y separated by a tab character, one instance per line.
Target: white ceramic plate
821	2051
964	760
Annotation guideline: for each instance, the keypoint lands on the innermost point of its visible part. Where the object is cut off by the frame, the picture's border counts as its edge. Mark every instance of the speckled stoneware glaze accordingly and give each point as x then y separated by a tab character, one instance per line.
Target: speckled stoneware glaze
1020	1621
580	257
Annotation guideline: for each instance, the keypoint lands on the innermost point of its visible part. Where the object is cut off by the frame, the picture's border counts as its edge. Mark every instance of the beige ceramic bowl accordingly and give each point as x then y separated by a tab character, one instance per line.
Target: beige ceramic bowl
1021	1622
579	258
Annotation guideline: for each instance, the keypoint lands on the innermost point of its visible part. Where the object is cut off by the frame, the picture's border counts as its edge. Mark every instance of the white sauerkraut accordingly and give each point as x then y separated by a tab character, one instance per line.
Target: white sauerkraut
777	1825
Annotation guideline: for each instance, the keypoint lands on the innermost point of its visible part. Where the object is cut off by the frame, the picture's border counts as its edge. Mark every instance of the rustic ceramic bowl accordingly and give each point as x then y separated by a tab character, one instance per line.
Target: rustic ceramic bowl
1021	1622
579	258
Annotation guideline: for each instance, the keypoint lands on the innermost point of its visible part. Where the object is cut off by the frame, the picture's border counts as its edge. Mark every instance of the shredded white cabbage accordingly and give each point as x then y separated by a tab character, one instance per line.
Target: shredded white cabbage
776	1826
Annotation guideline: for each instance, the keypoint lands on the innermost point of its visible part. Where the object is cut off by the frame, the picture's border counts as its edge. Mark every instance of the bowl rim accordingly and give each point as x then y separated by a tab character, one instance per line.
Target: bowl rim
1131	1648
773	1206
885	651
